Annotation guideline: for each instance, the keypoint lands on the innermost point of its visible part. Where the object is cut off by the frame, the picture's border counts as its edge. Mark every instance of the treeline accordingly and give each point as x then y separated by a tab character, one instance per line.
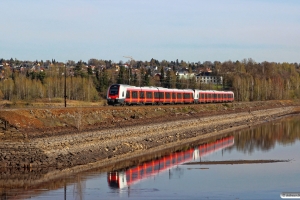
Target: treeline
49	84
249	80
252	81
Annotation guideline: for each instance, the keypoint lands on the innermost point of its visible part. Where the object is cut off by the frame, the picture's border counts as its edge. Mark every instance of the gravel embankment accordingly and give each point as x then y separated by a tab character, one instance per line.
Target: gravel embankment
83	150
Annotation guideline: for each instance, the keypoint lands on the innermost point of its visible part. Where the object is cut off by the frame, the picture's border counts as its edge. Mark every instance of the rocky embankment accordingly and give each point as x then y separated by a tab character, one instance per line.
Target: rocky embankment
74	137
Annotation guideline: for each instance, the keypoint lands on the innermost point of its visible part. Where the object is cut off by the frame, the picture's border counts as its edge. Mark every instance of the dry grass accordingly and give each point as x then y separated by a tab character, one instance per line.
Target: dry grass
53	103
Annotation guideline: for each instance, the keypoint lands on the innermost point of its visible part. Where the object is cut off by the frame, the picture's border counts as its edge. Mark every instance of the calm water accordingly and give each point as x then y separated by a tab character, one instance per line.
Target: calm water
166	177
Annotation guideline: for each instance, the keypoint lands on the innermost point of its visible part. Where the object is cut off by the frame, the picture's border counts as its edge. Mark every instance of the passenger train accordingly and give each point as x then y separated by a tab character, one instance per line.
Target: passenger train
120	94
132	175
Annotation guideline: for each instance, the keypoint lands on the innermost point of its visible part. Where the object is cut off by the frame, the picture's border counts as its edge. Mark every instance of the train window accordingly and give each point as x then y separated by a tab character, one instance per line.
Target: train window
202	96
134	94
142	95
215	96
173	95
123	94
128	94
186	96
179	96
161	95
168	95
149	94
219	96
156	95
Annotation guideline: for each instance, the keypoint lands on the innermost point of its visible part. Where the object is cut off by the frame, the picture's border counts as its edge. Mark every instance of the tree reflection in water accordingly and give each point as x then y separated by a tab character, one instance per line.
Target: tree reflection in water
285	131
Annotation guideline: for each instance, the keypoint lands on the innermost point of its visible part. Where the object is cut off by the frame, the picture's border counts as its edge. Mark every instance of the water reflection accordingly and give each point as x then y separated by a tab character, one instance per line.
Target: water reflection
285	131
132	175
79	187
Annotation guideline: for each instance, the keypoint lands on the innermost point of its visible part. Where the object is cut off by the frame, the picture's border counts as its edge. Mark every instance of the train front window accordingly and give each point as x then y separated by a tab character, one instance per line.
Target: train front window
114	90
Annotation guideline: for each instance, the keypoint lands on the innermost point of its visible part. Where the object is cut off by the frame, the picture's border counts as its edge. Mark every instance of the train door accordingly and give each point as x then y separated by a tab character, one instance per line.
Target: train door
174	100
161	96
167	97
142	97
128	97
149	97
134	97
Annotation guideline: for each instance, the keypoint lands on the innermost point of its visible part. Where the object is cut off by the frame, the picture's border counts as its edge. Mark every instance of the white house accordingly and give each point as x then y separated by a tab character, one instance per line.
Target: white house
207	79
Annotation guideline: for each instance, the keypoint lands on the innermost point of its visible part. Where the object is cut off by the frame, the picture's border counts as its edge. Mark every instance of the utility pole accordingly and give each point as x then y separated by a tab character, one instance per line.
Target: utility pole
65	96
131	59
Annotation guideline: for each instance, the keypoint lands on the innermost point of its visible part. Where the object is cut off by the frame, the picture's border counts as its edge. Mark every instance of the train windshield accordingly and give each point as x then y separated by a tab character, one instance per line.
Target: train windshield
114	89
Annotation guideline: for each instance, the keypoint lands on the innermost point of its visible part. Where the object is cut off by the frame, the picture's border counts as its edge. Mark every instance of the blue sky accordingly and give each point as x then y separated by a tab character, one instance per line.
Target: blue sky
191	30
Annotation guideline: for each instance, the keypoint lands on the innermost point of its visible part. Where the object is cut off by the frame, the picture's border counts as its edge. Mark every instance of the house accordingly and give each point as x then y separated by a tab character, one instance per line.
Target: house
185	75
207	78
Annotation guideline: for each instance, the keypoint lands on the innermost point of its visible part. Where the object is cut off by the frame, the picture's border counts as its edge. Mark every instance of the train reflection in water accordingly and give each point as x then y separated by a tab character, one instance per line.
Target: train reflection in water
122	179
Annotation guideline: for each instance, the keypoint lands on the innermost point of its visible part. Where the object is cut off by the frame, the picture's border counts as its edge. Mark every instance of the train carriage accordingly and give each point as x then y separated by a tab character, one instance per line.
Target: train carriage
119	94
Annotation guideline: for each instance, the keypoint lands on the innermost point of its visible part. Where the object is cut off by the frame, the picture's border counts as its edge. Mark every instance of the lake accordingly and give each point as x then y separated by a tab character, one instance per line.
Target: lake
187	174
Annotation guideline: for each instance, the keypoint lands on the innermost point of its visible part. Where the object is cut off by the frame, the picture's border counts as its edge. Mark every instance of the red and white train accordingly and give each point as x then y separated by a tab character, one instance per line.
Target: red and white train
119	94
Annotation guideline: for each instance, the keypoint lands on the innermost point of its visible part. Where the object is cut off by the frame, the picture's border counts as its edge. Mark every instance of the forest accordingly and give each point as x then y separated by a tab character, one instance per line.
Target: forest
50	80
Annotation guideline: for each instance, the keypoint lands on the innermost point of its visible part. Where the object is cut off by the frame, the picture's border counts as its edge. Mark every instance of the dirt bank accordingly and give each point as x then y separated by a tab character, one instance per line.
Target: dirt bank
88	137
49	121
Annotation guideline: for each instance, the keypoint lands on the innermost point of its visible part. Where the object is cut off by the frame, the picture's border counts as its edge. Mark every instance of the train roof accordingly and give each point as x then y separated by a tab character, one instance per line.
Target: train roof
213	91
170	89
